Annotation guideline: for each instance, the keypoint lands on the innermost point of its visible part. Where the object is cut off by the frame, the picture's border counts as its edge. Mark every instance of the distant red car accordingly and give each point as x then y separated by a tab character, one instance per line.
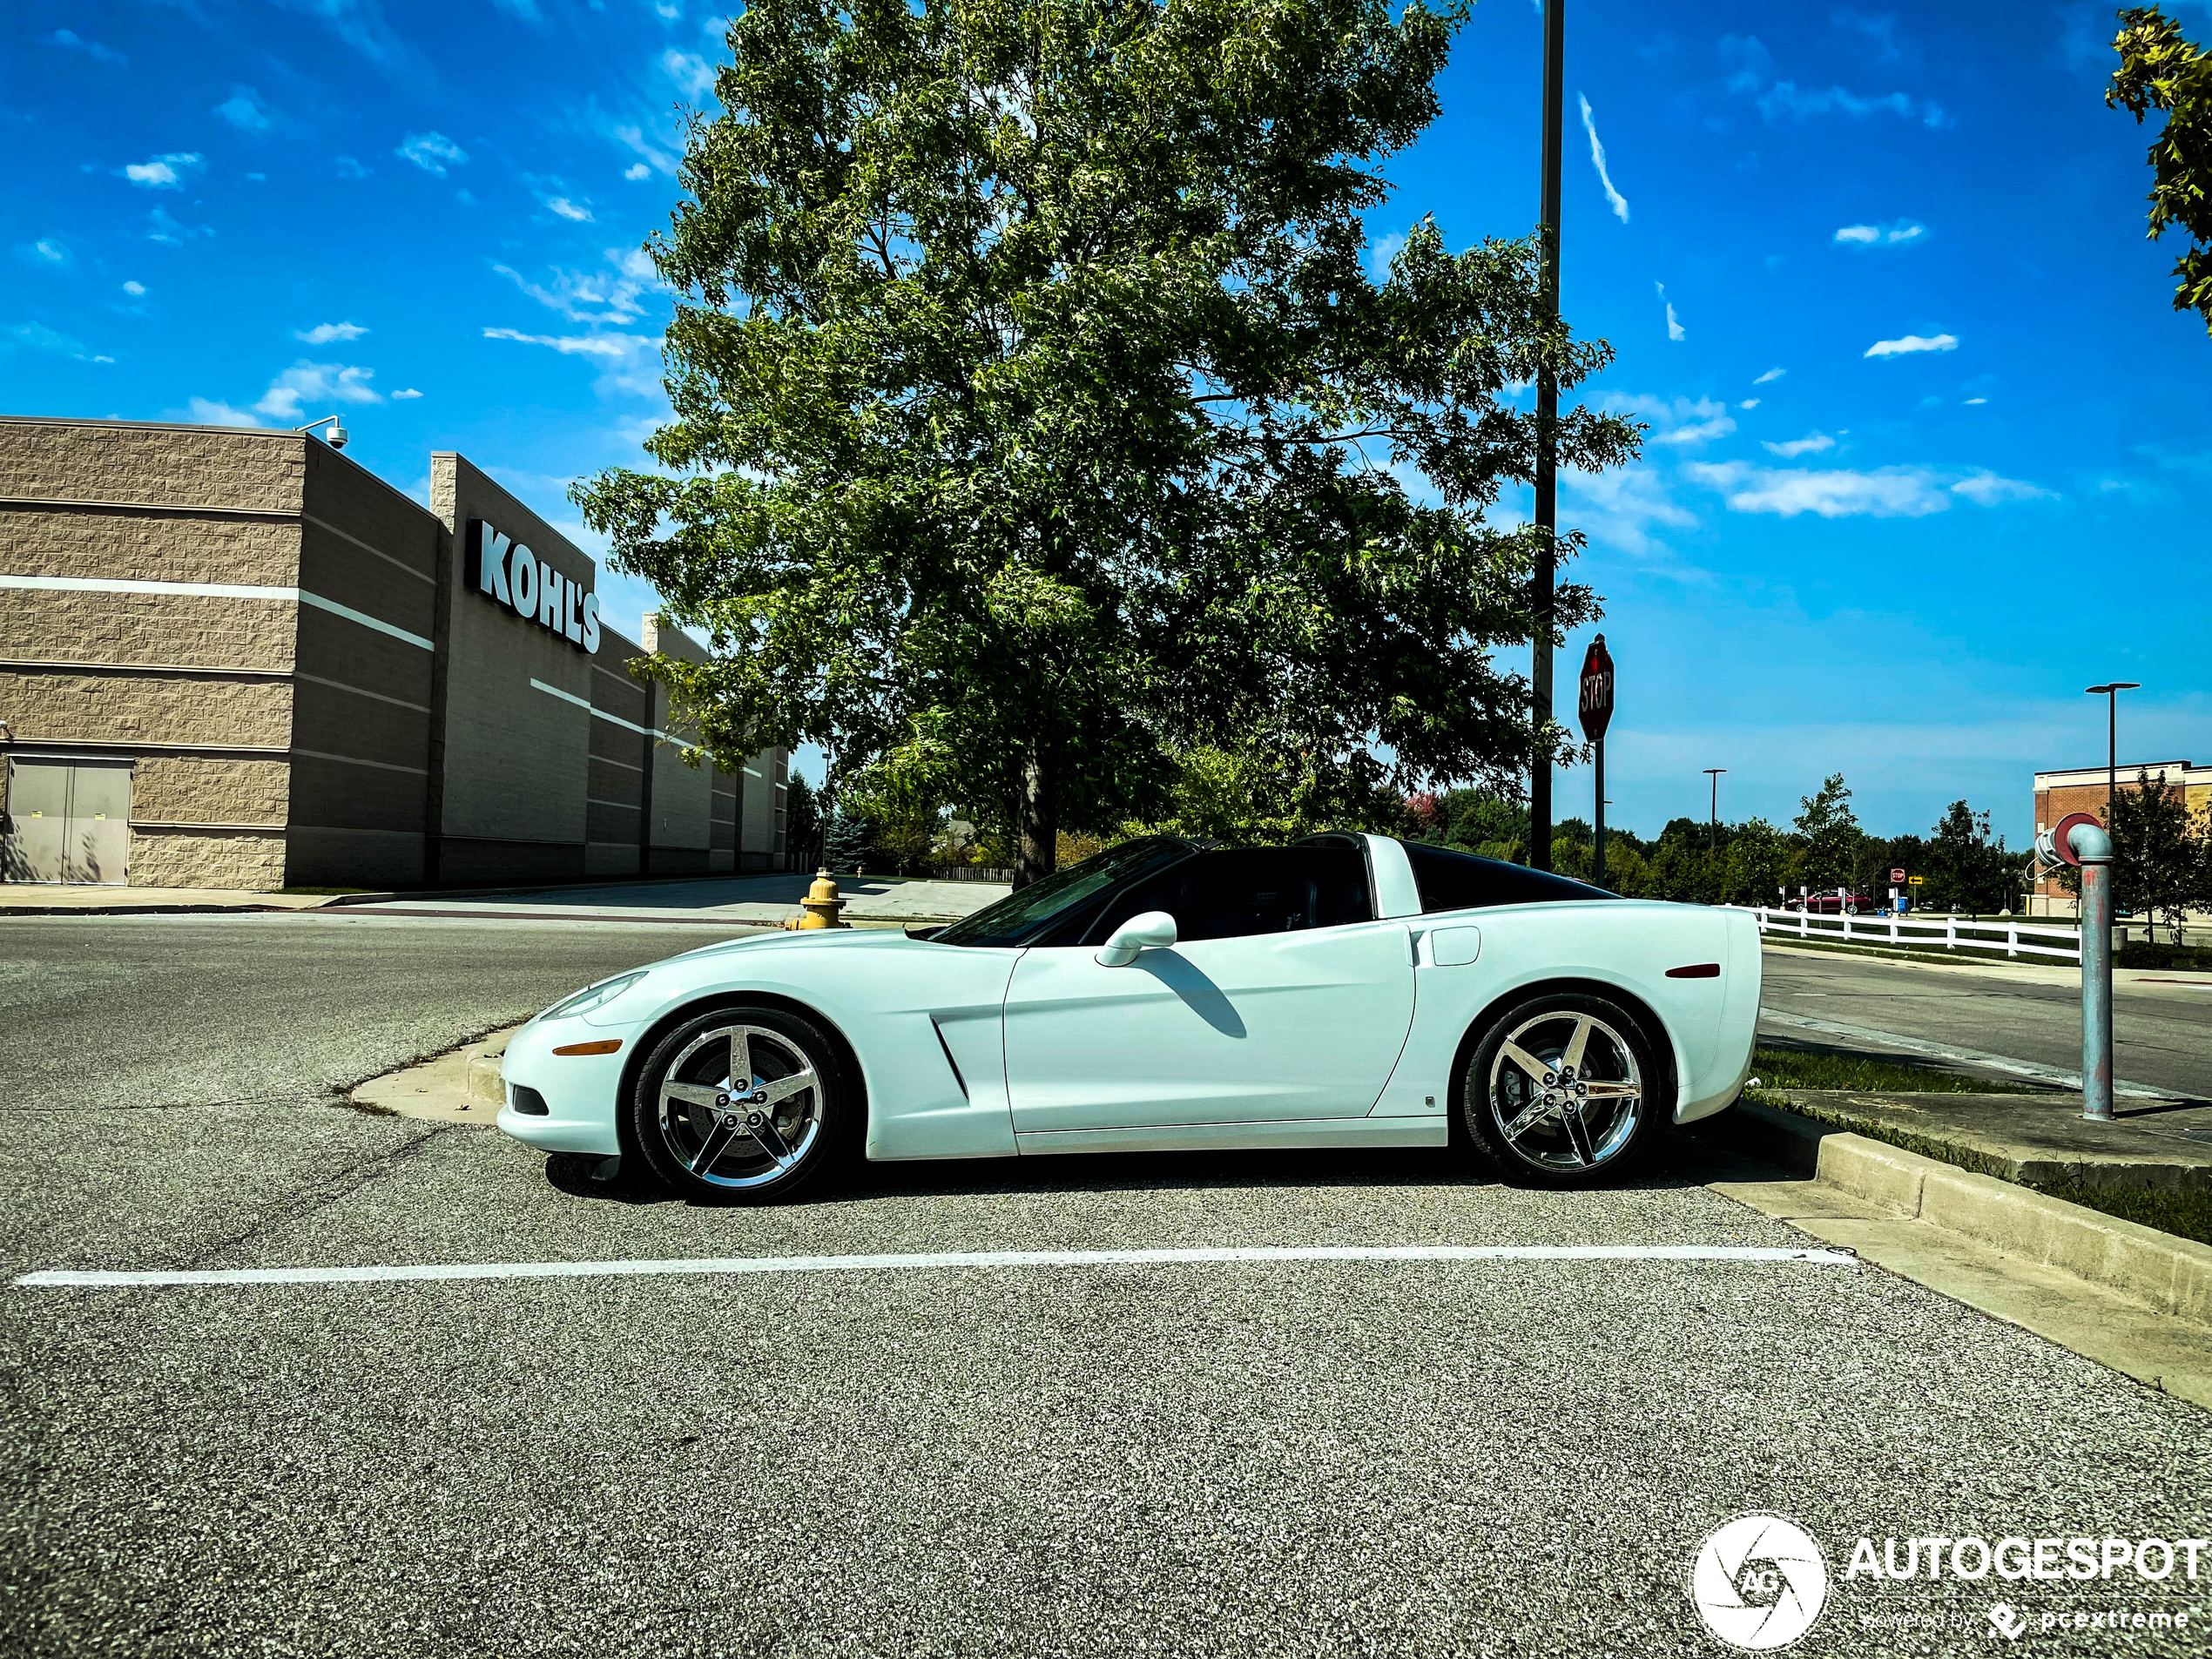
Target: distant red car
1834	904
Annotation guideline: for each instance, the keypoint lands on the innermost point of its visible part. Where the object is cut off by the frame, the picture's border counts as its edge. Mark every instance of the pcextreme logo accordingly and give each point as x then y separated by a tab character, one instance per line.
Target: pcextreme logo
1759	1581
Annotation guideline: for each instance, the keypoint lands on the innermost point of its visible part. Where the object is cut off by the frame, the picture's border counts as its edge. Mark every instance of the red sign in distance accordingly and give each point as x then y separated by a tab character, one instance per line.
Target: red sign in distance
1897	878
1597	690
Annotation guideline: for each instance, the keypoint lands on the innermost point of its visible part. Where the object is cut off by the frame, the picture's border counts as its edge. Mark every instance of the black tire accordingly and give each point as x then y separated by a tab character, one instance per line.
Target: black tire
1556	1125
711	1140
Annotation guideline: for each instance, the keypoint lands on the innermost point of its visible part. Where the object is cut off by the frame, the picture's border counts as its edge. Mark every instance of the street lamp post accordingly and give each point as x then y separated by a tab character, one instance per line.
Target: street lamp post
1714	773
2111	694
1540	774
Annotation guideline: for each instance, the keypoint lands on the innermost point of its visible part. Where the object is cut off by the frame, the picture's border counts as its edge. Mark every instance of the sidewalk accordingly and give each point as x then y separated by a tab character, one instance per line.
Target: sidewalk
41	899
759	900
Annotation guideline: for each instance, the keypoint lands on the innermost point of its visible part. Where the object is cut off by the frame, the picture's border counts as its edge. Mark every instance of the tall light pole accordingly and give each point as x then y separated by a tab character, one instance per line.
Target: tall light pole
2111	694
1714	773
1539	776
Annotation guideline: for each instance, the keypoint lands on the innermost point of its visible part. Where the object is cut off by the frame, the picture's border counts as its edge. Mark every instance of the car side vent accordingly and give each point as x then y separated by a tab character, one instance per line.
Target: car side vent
528	1102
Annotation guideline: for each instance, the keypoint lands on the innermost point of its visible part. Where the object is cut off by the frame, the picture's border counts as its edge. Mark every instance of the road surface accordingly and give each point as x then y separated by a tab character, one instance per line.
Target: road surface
1258	1457
2161	1033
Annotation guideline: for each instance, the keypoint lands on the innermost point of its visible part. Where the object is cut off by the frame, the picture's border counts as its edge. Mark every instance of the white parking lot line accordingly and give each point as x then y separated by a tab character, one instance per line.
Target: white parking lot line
69	1279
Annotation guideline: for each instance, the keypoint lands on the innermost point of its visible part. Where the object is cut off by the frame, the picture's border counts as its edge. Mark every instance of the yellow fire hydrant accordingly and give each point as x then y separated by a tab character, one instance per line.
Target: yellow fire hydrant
820	906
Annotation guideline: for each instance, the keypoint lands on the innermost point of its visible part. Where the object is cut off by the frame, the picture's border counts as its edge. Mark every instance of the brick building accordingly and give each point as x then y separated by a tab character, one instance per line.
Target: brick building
232	658
2083	789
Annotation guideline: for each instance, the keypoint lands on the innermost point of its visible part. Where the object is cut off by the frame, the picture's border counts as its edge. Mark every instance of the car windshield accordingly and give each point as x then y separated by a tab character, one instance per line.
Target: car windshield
1020	916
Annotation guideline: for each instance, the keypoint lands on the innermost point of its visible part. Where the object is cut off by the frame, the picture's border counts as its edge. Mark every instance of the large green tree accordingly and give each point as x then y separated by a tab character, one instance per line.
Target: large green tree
1037	418
2160	69
1831	835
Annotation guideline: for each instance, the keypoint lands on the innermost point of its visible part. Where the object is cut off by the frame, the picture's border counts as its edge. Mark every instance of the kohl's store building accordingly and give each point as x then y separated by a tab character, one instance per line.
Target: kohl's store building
232	658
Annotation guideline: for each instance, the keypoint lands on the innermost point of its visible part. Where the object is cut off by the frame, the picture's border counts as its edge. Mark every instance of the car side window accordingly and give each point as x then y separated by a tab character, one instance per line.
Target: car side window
1239	893
1451	880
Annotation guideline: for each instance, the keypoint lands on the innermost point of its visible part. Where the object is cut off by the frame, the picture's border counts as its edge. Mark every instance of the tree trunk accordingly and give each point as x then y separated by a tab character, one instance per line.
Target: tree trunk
1036	824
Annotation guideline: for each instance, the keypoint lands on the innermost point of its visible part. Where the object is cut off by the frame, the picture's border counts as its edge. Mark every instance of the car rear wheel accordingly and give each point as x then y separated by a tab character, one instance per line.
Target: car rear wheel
742	1105
1564	1090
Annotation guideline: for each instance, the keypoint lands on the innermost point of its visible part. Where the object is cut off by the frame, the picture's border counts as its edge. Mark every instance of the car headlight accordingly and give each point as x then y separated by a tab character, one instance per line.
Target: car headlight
593	996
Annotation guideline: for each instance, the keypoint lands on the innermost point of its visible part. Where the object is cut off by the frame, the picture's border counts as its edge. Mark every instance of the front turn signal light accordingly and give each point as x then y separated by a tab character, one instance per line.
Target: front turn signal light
607	1046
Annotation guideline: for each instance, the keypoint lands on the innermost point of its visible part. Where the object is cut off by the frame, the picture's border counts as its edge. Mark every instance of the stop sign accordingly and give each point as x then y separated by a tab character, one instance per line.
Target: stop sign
1597	690
1897	878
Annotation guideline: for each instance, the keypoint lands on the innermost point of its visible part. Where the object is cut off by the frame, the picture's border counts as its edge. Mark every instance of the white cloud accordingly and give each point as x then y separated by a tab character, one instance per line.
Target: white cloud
1972	402
693	74
1675	330
1812	444
38	337
1881	235
208	412
320	383
432	152
92	49
165	171
134	289
660	159
1890	492
574	345
1387	248
569	209
1754	74
163	227
636	170
1614	199
1987	490
404	393
323	333
1619	508
594	296
1749	403
47	250
1682	421
1885	492
1910	343
1772	374
243	110
349	168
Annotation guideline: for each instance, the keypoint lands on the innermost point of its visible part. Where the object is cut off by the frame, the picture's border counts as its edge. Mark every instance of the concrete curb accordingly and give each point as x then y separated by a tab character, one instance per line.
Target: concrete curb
2172	1275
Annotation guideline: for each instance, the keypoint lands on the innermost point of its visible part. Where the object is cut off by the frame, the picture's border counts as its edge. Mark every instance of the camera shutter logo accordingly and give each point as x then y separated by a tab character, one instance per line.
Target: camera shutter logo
1759	1581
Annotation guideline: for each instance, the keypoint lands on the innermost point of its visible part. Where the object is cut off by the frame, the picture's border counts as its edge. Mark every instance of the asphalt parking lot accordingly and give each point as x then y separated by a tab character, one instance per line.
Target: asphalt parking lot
1318	1457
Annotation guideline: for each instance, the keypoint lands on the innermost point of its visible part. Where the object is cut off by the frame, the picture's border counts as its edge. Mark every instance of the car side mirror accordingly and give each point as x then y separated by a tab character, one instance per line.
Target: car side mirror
1154	930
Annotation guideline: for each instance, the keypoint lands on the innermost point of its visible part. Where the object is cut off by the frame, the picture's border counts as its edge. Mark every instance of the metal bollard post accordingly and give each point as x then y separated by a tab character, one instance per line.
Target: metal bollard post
2093	847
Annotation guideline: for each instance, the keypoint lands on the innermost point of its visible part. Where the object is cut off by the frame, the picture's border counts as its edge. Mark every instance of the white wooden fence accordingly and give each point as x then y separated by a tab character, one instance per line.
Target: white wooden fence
2015	939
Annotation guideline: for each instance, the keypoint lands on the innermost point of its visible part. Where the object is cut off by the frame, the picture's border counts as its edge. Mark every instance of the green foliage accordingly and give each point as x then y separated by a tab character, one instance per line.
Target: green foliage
1968	870
2162	863
2160	69
1806	1068
802	820
1039	428
1831	835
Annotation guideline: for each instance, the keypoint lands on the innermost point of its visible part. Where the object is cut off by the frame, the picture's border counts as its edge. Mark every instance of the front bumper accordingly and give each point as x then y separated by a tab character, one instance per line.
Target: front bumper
582	1092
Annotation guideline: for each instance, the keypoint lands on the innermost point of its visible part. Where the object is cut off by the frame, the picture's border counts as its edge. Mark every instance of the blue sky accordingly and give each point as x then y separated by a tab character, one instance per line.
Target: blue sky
1930	451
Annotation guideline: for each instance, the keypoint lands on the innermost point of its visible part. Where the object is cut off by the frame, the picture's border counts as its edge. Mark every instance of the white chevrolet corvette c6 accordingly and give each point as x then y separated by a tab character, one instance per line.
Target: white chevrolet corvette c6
1348	990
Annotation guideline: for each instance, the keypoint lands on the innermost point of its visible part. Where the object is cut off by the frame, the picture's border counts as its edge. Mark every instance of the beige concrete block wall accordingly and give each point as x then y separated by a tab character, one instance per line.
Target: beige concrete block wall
176	466
174	859
195	789
62	707
153	627
148	547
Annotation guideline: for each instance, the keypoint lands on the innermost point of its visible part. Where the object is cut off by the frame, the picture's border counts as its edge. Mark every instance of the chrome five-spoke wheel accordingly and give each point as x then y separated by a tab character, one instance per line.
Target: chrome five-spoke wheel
736	1104
1560	1088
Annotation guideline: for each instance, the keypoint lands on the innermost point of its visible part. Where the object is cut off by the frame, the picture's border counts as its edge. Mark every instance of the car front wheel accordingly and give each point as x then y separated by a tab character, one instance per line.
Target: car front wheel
743	1105
1564	1090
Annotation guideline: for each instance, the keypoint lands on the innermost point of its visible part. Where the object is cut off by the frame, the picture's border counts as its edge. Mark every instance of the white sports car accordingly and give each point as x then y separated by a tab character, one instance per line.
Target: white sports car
1349	990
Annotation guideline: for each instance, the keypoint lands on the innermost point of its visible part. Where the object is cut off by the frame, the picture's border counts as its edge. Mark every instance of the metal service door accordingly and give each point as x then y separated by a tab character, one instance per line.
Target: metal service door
68	821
